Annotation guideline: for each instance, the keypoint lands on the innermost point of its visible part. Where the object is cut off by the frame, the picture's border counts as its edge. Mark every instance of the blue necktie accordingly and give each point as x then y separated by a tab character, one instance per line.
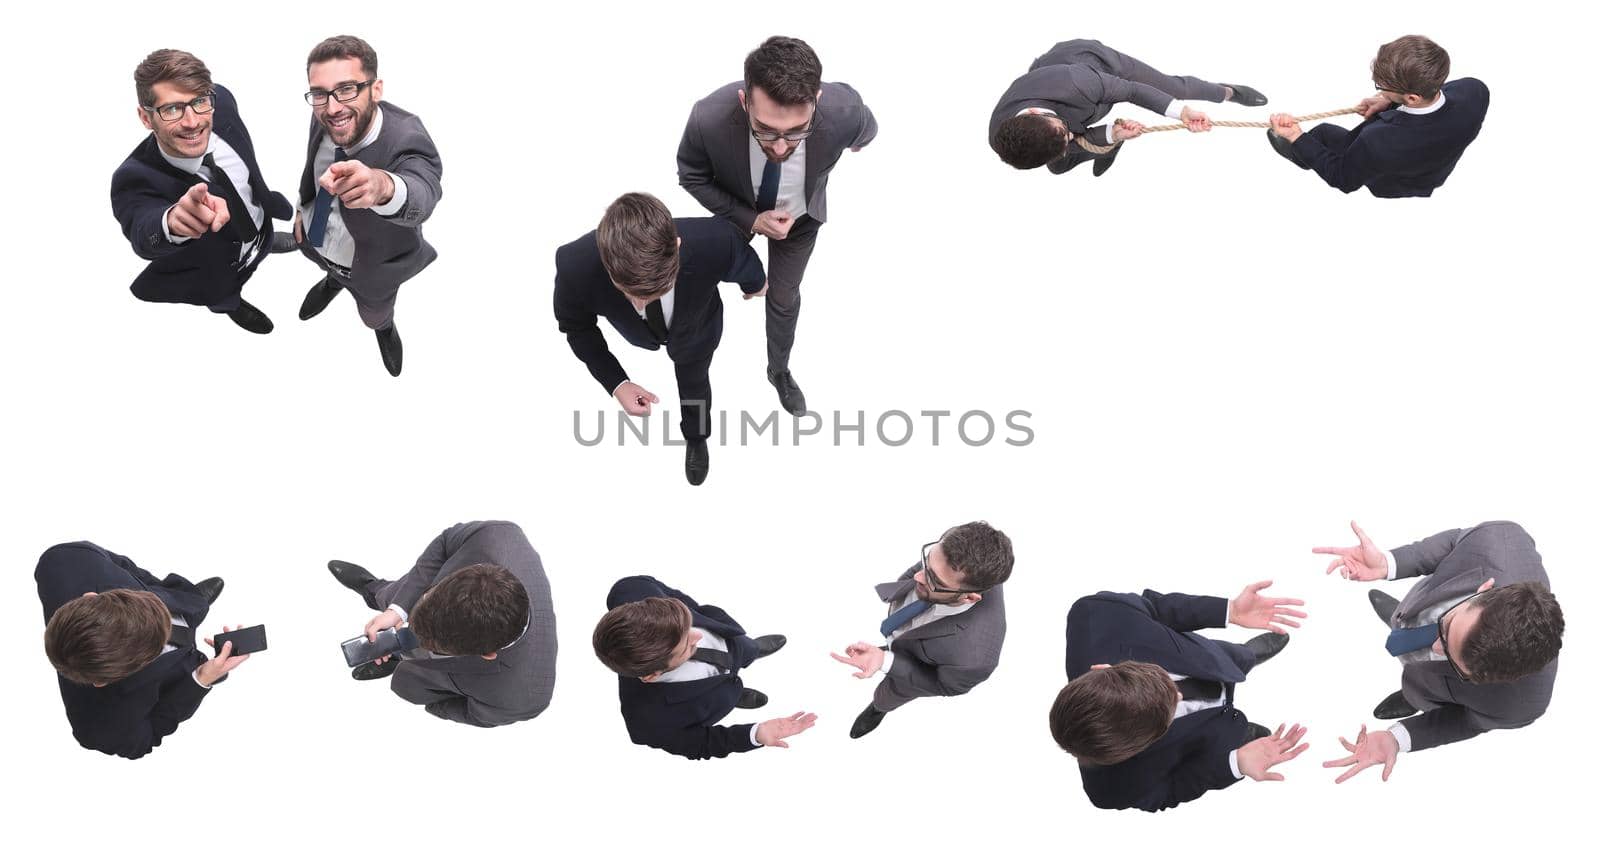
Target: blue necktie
322	207
1403	641
902	617
767	197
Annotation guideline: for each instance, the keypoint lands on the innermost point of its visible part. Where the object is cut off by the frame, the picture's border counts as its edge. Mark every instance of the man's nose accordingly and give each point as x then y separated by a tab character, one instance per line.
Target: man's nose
780	147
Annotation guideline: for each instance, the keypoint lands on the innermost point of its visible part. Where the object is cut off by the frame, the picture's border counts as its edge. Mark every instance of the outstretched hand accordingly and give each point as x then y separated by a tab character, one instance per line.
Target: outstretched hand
865	658
1253	611
1259	757
1369	750
771	733
1364	562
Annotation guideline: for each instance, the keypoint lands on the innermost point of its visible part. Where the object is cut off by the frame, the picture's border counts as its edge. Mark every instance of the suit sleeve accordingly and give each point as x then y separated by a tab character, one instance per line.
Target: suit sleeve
425	572
1115	89
579	323
700	742
274	204
449	705
1205	769
139	208
698	177
1423	557
180	699
1346	167
744	264
910	675
418	163
1186	612
867	127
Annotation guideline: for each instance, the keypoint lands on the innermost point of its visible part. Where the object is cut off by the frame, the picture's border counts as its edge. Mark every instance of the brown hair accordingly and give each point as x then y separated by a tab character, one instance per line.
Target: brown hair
639	245
174	66
104	638
1518	632
477	610
1110	714
1411	64
345	47
787	69
980	553
638	639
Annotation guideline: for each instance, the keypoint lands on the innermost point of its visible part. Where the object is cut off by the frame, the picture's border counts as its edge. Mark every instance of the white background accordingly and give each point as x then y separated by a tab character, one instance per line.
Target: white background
1225	361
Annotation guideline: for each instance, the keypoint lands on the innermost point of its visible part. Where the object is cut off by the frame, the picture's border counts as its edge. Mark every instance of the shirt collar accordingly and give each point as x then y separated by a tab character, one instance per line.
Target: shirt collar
371	136
188	166
1036	110
1429	109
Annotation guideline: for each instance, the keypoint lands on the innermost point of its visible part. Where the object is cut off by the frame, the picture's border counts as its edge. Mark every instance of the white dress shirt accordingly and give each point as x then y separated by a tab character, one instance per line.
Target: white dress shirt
791	179
667	300
694	669
338	246
935	612
1436	105
233	167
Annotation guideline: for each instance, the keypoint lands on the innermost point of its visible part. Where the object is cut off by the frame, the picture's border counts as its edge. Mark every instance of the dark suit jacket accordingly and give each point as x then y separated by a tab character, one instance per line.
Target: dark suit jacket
389	250
1192	757
1396	154
129	717
1452	565
681	717
200	270
1077	80
711	252
714	155
950	655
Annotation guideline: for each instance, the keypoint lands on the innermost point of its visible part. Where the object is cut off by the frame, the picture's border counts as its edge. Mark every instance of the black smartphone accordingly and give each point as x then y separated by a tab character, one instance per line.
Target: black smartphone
359	651
251	639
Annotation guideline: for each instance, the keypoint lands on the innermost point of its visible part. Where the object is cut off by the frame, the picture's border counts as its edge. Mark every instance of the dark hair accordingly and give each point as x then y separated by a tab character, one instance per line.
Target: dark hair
1411	64
1110	714
638	639
787	69
639	245
477	610
980	553
1518	633
1029	141
107	637
175	66
345	47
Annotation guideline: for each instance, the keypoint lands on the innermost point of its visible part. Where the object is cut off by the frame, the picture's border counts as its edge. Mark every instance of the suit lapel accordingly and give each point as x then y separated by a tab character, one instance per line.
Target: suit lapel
308	180
736	135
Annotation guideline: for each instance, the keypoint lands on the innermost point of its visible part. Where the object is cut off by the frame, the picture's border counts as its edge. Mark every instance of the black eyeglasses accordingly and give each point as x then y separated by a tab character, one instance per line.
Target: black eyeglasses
1444	641
201	105
767	136
344	93
933	581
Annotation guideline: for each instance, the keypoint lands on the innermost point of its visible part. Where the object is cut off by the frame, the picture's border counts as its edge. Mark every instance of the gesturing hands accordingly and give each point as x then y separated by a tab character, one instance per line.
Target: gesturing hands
1125	129
635	399
356	185
1285	126
1195	121
1368	750
389	619
771	733
1257	758
215	669
1364	562
1373	105
865	658
197	212
773	224
1253	611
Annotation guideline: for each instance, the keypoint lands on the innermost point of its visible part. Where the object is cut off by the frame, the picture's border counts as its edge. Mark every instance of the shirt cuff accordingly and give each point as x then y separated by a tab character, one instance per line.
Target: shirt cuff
1233	764
175	239
195	675
398	201
888	660
1388	562
1401	736
753	728
404	618
1174	109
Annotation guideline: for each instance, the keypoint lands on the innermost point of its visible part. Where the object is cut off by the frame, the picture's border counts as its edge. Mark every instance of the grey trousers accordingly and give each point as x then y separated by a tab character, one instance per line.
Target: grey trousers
786	266
1097	55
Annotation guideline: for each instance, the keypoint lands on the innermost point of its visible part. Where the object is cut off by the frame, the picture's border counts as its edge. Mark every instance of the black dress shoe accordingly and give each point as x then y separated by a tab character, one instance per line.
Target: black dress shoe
1394	707
1244	95
1104	163
697	461
1383	604
790	396
766	645
283	242
751	699
1267	645
354	577
319	297
373	670
389	348
1285	148
250	318
210	589
866	722
1257	731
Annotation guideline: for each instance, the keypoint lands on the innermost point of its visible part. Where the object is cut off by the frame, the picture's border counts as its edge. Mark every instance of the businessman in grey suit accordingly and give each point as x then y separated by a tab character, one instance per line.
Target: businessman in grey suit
1477	638
758	152
1069	89
371	179
480	606
946	623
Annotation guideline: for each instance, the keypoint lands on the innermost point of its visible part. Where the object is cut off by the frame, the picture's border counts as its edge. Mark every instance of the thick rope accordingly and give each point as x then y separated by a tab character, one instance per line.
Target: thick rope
1315	116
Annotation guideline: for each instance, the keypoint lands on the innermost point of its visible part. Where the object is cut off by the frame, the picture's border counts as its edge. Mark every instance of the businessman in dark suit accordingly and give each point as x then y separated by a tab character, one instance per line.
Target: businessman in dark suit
654	279
1477	638
1415	129
190	198
758	153
479	603
940	640
1068	90
1148	707
371	179
123	645
677	664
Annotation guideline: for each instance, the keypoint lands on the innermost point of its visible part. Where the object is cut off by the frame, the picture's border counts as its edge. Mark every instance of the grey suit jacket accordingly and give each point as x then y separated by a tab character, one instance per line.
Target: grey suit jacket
1080	81
714	156
517	684
950	655
1452	565
389	250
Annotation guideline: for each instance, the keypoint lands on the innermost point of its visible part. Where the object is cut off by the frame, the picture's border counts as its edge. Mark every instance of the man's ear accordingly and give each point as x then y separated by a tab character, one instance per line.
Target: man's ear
651	677
489	657
1486	586
144	118
973	597
377	90
818	98
742	102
